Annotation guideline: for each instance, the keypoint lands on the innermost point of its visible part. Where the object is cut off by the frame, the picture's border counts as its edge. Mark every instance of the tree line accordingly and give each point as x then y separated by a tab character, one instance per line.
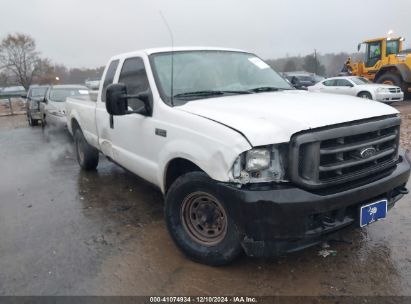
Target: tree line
327	65
21	64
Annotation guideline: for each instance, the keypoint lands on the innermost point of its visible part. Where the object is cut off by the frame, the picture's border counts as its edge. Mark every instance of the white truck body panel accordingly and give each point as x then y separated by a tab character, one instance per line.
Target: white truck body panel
212	132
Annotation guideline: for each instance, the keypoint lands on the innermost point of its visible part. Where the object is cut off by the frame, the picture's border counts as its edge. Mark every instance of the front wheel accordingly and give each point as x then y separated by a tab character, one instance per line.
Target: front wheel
365	95
32	122
87	155
199	221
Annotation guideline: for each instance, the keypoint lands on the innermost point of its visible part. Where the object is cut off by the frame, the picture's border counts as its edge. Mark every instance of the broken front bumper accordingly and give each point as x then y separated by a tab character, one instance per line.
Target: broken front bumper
275	219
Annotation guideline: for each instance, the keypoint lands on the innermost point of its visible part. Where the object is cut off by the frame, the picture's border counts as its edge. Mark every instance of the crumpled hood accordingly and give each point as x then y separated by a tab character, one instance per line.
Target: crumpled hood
269	118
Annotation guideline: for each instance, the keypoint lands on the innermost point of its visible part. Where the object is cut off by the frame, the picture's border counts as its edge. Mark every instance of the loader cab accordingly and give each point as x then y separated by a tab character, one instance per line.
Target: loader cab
376	53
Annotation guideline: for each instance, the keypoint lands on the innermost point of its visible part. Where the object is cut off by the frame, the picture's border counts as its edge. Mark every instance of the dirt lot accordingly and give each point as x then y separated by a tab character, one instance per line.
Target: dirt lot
67	232
17	105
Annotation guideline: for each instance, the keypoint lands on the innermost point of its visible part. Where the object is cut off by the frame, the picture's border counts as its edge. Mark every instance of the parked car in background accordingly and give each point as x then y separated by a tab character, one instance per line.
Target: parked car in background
53	105
361	87
34	96
92	83
16	91
302	80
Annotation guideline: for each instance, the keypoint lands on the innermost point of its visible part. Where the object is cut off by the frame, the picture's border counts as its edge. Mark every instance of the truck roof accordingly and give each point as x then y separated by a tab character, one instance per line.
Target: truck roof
174	49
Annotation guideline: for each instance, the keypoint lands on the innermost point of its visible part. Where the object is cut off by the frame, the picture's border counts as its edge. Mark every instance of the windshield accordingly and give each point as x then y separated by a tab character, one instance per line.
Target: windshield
203	74
360	80
60	95
38	92
304	78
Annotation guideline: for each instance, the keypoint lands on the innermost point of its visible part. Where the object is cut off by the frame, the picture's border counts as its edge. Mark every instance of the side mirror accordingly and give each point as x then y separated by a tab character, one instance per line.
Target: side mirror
117	100
43	100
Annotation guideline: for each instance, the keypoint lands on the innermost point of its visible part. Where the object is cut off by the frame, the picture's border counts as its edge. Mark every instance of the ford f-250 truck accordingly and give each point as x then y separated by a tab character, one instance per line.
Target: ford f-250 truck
245	162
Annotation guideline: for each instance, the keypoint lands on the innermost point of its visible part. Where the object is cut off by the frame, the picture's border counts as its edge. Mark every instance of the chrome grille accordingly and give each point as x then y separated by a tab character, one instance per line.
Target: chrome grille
343	153
395	90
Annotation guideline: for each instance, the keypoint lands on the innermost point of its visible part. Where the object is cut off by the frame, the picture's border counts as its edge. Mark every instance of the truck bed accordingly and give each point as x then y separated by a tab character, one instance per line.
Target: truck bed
84	110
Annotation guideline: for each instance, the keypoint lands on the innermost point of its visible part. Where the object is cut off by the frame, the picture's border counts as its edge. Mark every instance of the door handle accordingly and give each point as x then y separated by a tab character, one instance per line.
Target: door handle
111	122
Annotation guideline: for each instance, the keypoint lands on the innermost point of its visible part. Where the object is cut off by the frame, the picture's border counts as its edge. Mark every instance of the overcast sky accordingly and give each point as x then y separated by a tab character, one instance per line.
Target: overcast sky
86	33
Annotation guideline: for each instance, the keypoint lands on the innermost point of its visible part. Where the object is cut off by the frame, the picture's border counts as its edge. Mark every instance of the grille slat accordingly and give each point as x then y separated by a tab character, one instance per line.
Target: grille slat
344	153
350	163
362	144
394	90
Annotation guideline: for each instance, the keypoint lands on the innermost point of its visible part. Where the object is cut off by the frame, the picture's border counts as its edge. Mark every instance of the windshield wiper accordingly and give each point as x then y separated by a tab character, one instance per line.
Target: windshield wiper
209	93
267	89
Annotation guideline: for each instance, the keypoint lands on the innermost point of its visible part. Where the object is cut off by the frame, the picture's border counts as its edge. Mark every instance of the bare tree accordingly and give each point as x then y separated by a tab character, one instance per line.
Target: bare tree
4	79
312	64
45	73
19	56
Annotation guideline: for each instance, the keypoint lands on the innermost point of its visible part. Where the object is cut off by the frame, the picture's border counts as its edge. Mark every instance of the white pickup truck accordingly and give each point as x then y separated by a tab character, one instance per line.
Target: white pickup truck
245	162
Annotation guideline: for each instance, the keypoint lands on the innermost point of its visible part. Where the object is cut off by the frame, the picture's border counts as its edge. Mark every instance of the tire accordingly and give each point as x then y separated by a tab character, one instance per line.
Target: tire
32	122
364	95
390	78
87	156
218	248
43	121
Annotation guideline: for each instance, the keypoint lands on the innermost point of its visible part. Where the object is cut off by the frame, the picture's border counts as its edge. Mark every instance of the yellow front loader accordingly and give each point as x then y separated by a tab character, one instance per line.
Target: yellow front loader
384	62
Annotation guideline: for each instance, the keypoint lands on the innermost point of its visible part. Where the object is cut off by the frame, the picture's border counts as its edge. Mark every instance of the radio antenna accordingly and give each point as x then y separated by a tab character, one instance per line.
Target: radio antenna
172	56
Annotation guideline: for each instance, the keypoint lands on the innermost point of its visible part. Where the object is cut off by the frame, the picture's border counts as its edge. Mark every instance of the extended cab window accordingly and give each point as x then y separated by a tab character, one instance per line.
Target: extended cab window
133	75
109	78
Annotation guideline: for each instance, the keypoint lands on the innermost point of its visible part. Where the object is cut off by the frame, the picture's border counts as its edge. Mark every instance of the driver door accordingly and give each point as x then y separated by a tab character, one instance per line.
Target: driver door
133	135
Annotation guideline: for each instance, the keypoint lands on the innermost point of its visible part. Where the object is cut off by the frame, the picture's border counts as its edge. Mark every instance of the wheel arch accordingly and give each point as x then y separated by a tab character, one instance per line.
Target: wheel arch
175	168
74	125
365	91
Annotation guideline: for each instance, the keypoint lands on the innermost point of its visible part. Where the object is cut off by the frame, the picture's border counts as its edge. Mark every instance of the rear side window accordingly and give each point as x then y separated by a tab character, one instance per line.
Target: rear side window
329	83
109	78
133	75
343	83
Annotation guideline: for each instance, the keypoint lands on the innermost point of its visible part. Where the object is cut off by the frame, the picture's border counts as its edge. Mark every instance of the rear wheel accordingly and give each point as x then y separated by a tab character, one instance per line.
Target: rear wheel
365	95
199	222
87	156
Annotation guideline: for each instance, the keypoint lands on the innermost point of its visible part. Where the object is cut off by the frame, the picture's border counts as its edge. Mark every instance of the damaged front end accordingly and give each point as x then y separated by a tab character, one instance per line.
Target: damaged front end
261	165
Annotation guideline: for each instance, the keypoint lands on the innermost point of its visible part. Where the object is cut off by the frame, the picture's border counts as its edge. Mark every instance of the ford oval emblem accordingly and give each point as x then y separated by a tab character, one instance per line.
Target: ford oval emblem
367	152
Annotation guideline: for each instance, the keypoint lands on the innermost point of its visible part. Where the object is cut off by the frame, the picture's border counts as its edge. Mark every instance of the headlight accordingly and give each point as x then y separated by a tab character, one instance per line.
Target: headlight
257	159
264	164
383	90
59	113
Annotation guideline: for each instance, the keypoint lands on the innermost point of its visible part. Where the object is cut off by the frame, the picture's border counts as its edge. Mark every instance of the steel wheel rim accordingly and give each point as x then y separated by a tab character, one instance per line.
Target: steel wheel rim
204	218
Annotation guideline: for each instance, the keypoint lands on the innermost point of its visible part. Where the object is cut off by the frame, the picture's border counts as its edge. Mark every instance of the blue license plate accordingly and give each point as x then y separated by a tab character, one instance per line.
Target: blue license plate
373	212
